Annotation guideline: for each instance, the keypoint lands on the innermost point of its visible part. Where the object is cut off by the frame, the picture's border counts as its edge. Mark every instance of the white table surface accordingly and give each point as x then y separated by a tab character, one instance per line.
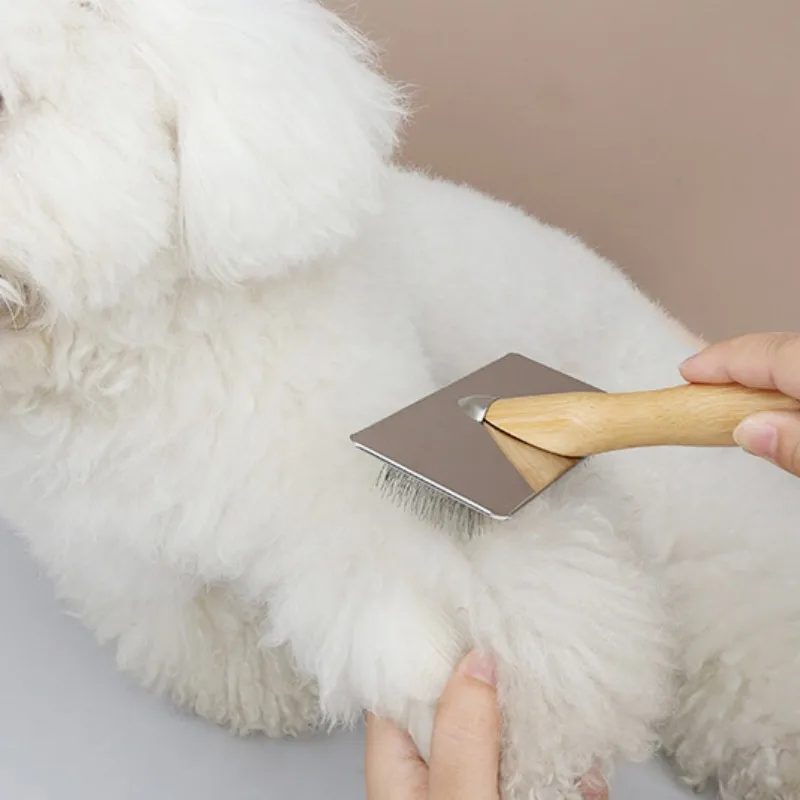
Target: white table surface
72	728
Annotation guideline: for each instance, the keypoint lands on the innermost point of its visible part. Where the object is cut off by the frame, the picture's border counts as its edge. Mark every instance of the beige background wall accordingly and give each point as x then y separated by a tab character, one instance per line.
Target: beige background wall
665	132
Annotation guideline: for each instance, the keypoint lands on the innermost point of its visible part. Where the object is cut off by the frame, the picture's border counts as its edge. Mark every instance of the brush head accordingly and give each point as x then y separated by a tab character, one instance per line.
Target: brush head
442	463
430	503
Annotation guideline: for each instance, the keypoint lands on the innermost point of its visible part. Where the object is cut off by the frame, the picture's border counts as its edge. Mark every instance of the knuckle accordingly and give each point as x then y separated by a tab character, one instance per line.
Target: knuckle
775	339
779	346
787	364
468	726
763	348
475	730
770	359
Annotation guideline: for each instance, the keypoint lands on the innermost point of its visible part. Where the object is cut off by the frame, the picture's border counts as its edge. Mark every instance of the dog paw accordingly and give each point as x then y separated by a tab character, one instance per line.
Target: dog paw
262	695
764	772
207	657
591	787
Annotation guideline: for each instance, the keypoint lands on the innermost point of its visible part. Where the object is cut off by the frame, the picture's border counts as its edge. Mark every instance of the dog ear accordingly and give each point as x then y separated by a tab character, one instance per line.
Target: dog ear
283	129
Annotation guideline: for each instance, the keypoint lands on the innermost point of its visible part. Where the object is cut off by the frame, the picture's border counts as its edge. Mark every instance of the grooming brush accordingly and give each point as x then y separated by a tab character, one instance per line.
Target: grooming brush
485	446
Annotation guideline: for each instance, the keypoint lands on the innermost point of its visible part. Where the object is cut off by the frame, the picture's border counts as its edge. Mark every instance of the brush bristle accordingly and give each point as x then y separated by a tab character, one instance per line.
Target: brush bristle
430	503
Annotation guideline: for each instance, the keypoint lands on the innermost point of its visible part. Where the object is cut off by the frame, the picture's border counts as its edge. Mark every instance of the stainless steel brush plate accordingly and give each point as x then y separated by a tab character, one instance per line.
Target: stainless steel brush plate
435	445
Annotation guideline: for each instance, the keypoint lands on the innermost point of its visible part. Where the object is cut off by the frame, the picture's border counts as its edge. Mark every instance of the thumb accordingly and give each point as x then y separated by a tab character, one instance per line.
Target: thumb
465	752
774	436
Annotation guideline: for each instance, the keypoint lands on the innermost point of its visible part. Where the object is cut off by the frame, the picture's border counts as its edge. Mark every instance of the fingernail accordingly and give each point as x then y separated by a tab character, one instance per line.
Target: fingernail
689	361
481	666
758	437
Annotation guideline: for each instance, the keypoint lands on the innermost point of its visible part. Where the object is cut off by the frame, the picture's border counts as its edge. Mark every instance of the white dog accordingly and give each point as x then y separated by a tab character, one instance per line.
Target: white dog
212	275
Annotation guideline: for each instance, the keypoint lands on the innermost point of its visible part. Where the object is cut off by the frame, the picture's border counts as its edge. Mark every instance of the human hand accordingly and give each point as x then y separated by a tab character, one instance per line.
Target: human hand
760	361
465	750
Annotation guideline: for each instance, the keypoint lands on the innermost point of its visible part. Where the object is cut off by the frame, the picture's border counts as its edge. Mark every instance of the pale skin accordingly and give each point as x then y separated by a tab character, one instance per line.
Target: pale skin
760	361
465	752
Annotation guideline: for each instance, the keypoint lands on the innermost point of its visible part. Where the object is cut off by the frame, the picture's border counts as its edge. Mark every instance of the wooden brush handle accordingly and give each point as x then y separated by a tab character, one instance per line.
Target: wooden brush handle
580	424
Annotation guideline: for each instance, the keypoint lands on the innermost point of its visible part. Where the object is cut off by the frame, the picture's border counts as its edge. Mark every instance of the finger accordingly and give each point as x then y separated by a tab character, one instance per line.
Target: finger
465	751
774	436
595	793
759	360
594	787
393	769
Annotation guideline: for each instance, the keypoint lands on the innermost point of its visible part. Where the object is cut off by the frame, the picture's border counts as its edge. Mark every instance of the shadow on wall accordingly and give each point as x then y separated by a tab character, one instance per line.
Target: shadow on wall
667	135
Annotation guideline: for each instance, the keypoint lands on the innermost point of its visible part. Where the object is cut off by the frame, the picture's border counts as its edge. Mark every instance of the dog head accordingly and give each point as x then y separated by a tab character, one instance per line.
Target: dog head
144	142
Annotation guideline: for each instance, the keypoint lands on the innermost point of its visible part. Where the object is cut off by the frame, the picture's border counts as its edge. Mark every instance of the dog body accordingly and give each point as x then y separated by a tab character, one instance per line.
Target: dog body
213	275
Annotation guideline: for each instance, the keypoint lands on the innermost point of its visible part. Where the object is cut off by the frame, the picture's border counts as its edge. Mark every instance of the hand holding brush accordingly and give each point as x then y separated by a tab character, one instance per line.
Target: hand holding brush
768	361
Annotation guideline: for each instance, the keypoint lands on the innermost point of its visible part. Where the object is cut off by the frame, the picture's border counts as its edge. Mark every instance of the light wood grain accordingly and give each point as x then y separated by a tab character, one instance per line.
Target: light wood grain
538	467
582	424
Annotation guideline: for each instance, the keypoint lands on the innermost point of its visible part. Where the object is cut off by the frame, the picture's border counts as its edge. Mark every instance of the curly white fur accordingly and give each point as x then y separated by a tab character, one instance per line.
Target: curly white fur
212	275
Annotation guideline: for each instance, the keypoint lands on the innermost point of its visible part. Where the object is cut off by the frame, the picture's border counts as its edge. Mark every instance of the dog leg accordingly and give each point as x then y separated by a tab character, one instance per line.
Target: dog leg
724	531
198	646
370	610
585	648
741	730
738	718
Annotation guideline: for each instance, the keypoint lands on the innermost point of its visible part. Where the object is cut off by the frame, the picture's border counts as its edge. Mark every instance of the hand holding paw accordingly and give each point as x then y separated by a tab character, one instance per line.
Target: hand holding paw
465	751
